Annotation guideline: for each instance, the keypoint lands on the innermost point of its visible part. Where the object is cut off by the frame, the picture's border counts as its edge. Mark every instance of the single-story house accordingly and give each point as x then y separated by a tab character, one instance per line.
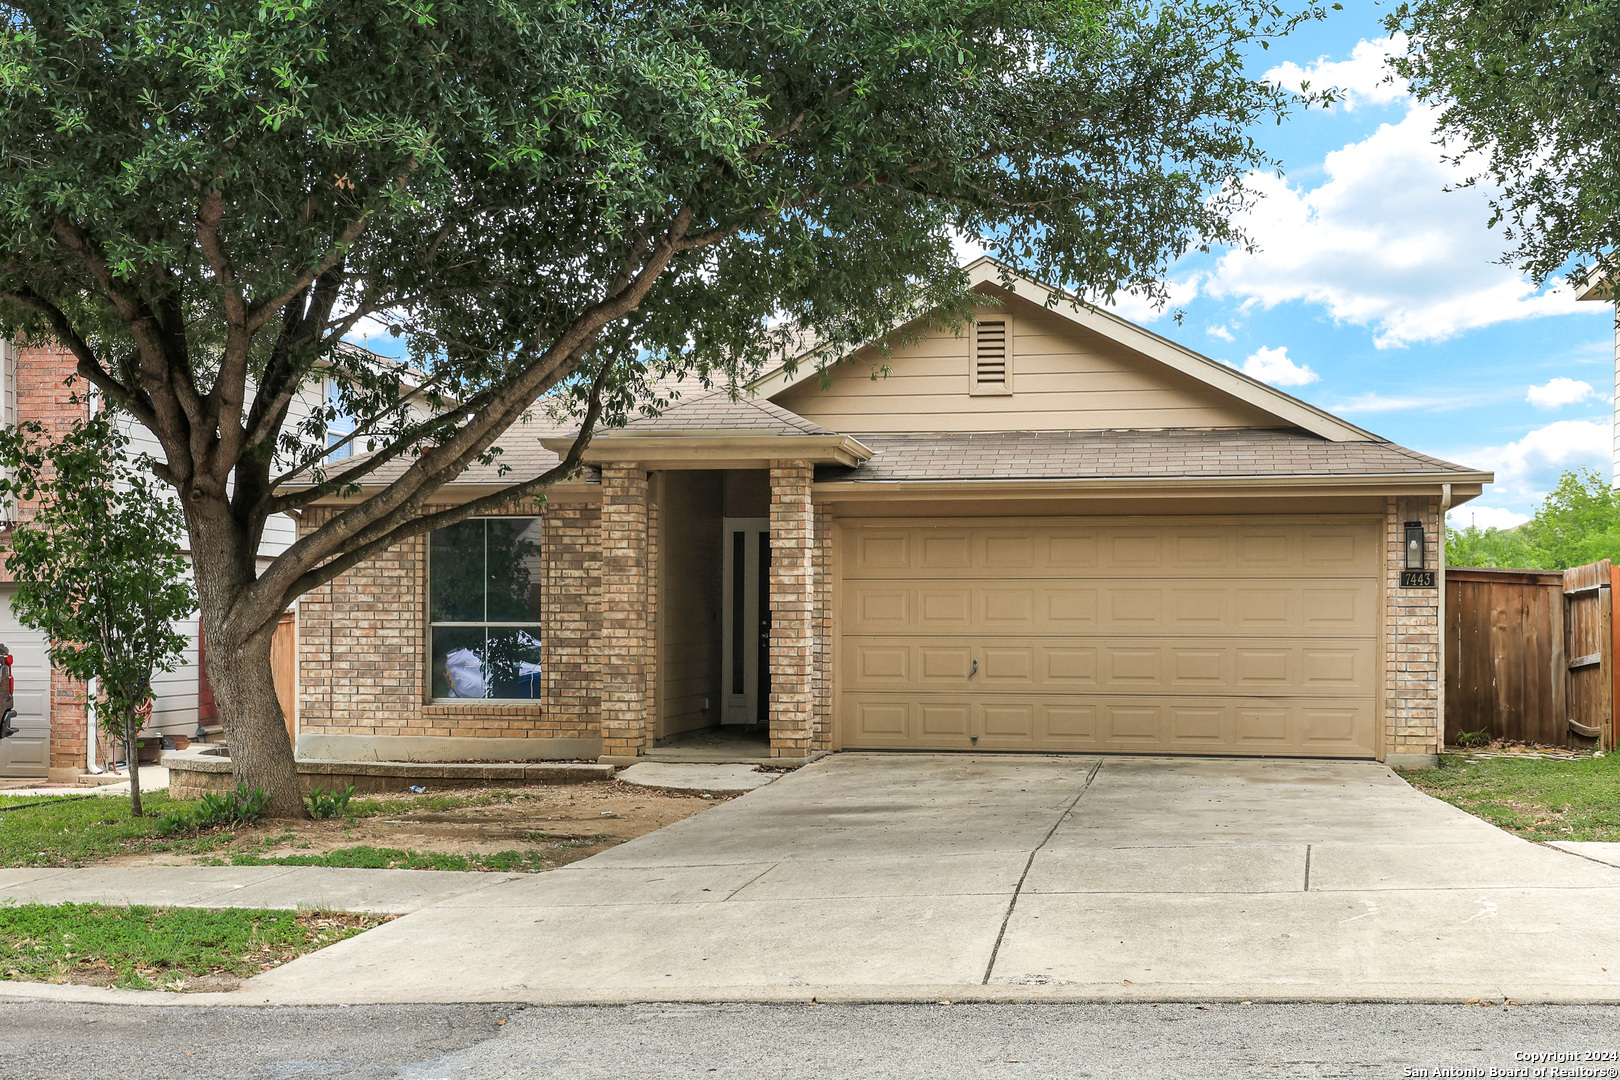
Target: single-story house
1057	532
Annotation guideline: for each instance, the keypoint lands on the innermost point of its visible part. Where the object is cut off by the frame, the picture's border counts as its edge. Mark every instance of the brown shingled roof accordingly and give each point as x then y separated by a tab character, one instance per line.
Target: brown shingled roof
714	410
1164	454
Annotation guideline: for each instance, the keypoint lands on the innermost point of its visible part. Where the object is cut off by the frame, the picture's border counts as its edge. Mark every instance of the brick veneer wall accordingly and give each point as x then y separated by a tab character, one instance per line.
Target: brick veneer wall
821	568
626	654
46	385
1413	683
793	629
363	645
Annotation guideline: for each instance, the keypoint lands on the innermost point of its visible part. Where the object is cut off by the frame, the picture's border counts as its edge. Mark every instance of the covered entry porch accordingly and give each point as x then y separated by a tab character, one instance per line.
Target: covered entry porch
713	575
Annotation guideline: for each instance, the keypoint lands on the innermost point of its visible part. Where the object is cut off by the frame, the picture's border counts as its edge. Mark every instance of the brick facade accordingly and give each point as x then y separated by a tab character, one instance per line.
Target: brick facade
822	570
1413	680
792	606
626	627
363	645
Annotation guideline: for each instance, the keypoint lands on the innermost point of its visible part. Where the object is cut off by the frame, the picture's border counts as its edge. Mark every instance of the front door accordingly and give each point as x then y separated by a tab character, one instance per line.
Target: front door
745	645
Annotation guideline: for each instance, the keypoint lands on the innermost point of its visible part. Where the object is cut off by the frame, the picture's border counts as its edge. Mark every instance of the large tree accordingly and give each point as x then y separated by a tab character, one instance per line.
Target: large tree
558	197
1529	96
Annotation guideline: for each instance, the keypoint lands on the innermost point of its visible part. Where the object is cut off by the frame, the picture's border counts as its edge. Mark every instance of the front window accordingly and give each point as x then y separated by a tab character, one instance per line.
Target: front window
484	585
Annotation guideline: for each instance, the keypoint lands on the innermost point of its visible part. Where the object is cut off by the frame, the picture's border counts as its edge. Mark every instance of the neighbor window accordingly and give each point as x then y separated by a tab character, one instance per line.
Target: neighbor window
340	426
484	583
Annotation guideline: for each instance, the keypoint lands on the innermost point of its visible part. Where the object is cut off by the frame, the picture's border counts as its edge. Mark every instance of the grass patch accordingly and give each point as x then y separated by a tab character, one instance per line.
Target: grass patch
375	858
1537	799
159	948
72	833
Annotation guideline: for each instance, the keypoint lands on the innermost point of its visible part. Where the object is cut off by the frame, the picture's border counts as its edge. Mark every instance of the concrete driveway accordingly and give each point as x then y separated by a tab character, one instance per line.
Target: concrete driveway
907	877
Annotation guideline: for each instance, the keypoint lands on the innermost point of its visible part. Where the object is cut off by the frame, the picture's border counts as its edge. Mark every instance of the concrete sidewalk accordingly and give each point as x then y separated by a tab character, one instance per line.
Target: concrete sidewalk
393	892
869	877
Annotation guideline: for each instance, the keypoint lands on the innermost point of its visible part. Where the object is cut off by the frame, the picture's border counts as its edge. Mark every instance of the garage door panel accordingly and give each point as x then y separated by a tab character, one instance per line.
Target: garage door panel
1212	665
1213	637
1216	550
1113	607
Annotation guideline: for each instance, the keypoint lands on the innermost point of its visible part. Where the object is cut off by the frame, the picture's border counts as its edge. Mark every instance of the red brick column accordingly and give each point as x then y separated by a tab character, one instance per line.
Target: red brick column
793	630
626	656
1413	679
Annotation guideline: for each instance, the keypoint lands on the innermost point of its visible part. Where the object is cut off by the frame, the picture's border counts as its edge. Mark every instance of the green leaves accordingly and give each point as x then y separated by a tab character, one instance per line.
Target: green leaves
1577	523
1529	99
96	558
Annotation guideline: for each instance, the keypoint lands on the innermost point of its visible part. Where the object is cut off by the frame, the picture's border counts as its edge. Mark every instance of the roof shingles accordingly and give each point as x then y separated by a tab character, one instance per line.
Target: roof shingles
1099	455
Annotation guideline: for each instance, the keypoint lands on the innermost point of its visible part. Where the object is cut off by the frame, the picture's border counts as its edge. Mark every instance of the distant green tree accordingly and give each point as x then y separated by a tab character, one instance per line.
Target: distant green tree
1578	522
1496	548
98	565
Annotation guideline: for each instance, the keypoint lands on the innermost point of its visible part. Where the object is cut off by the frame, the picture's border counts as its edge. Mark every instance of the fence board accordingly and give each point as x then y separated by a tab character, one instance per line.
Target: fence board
1505	654
1588	600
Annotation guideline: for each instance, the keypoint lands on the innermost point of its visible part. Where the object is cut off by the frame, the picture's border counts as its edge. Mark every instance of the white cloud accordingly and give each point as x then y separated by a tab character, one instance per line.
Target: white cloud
1273	366
1485	517
1558	392
1139	309
1219	332
1528	468
1361	80
1382	403
1380	242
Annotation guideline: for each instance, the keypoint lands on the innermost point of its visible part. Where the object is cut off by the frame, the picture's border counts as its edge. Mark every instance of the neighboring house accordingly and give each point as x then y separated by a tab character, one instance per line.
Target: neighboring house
37	383
1596	287
1059	532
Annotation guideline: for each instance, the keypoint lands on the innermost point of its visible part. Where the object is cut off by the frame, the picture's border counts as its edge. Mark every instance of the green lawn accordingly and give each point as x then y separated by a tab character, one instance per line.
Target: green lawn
149	948
1536	799
47	832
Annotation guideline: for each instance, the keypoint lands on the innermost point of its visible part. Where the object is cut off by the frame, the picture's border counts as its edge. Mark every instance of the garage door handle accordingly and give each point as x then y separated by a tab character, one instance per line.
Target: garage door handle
975	670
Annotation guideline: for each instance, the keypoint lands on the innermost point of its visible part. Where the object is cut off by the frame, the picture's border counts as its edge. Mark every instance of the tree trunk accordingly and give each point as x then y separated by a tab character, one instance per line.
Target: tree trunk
255	729
132	727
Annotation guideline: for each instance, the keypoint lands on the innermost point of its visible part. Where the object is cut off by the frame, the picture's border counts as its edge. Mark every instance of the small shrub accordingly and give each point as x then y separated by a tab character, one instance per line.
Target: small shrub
327	804
1472	739
239	807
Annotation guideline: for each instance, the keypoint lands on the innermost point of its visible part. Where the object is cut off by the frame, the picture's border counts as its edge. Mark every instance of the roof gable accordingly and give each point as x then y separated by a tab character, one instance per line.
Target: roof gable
1073	367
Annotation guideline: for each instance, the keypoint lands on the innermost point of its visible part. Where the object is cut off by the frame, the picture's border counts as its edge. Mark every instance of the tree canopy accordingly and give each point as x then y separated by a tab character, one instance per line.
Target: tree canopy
556	197
1577	523
1530	93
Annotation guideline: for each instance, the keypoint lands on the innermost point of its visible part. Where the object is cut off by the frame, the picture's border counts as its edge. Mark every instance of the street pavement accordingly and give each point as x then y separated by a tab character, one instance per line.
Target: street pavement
752	1042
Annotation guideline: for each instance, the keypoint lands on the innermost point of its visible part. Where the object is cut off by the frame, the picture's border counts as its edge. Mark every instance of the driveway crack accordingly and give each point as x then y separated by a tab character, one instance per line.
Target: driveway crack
1019	888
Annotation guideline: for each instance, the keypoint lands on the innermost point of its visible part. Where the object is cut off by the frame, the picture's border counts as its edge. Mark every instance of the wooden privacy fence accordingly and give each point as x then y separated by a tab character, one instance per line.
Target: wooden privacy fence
1530	654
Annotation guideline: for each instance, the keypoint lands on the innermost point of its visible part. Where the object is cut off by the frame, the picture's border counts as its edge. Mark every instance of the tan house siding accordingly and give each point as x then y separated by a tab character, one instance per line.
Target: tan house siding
690	588
1064	379
1412	676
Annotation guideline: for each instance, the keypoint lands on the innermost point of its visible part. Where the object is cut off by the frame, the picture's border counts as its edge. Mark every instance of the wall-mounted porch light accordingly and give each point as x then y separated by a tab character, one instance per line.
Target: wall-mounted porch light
1414	545
1414	575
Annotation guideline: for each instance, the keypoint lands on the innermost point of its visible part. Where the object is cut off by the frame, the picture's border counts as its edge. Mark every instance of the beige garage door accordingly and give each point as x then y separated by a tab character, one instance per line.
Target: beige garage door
1224	637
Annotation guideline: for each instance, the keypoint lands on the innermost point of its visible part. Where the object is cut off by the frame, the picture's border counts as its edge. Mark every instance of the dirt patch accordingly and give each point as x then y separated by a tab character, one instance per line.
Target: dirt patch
550	825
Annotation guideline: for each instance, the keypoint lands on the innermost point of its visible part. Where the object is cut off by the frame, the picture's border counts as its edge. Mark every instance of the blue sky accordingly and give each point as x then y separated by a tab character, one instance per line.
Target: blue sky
1377	294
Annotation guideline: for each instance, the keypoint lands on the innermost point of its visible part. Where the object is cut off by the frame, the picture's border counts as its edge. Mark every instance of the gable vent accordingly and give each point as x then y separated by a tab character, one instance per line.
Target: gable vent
992	357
